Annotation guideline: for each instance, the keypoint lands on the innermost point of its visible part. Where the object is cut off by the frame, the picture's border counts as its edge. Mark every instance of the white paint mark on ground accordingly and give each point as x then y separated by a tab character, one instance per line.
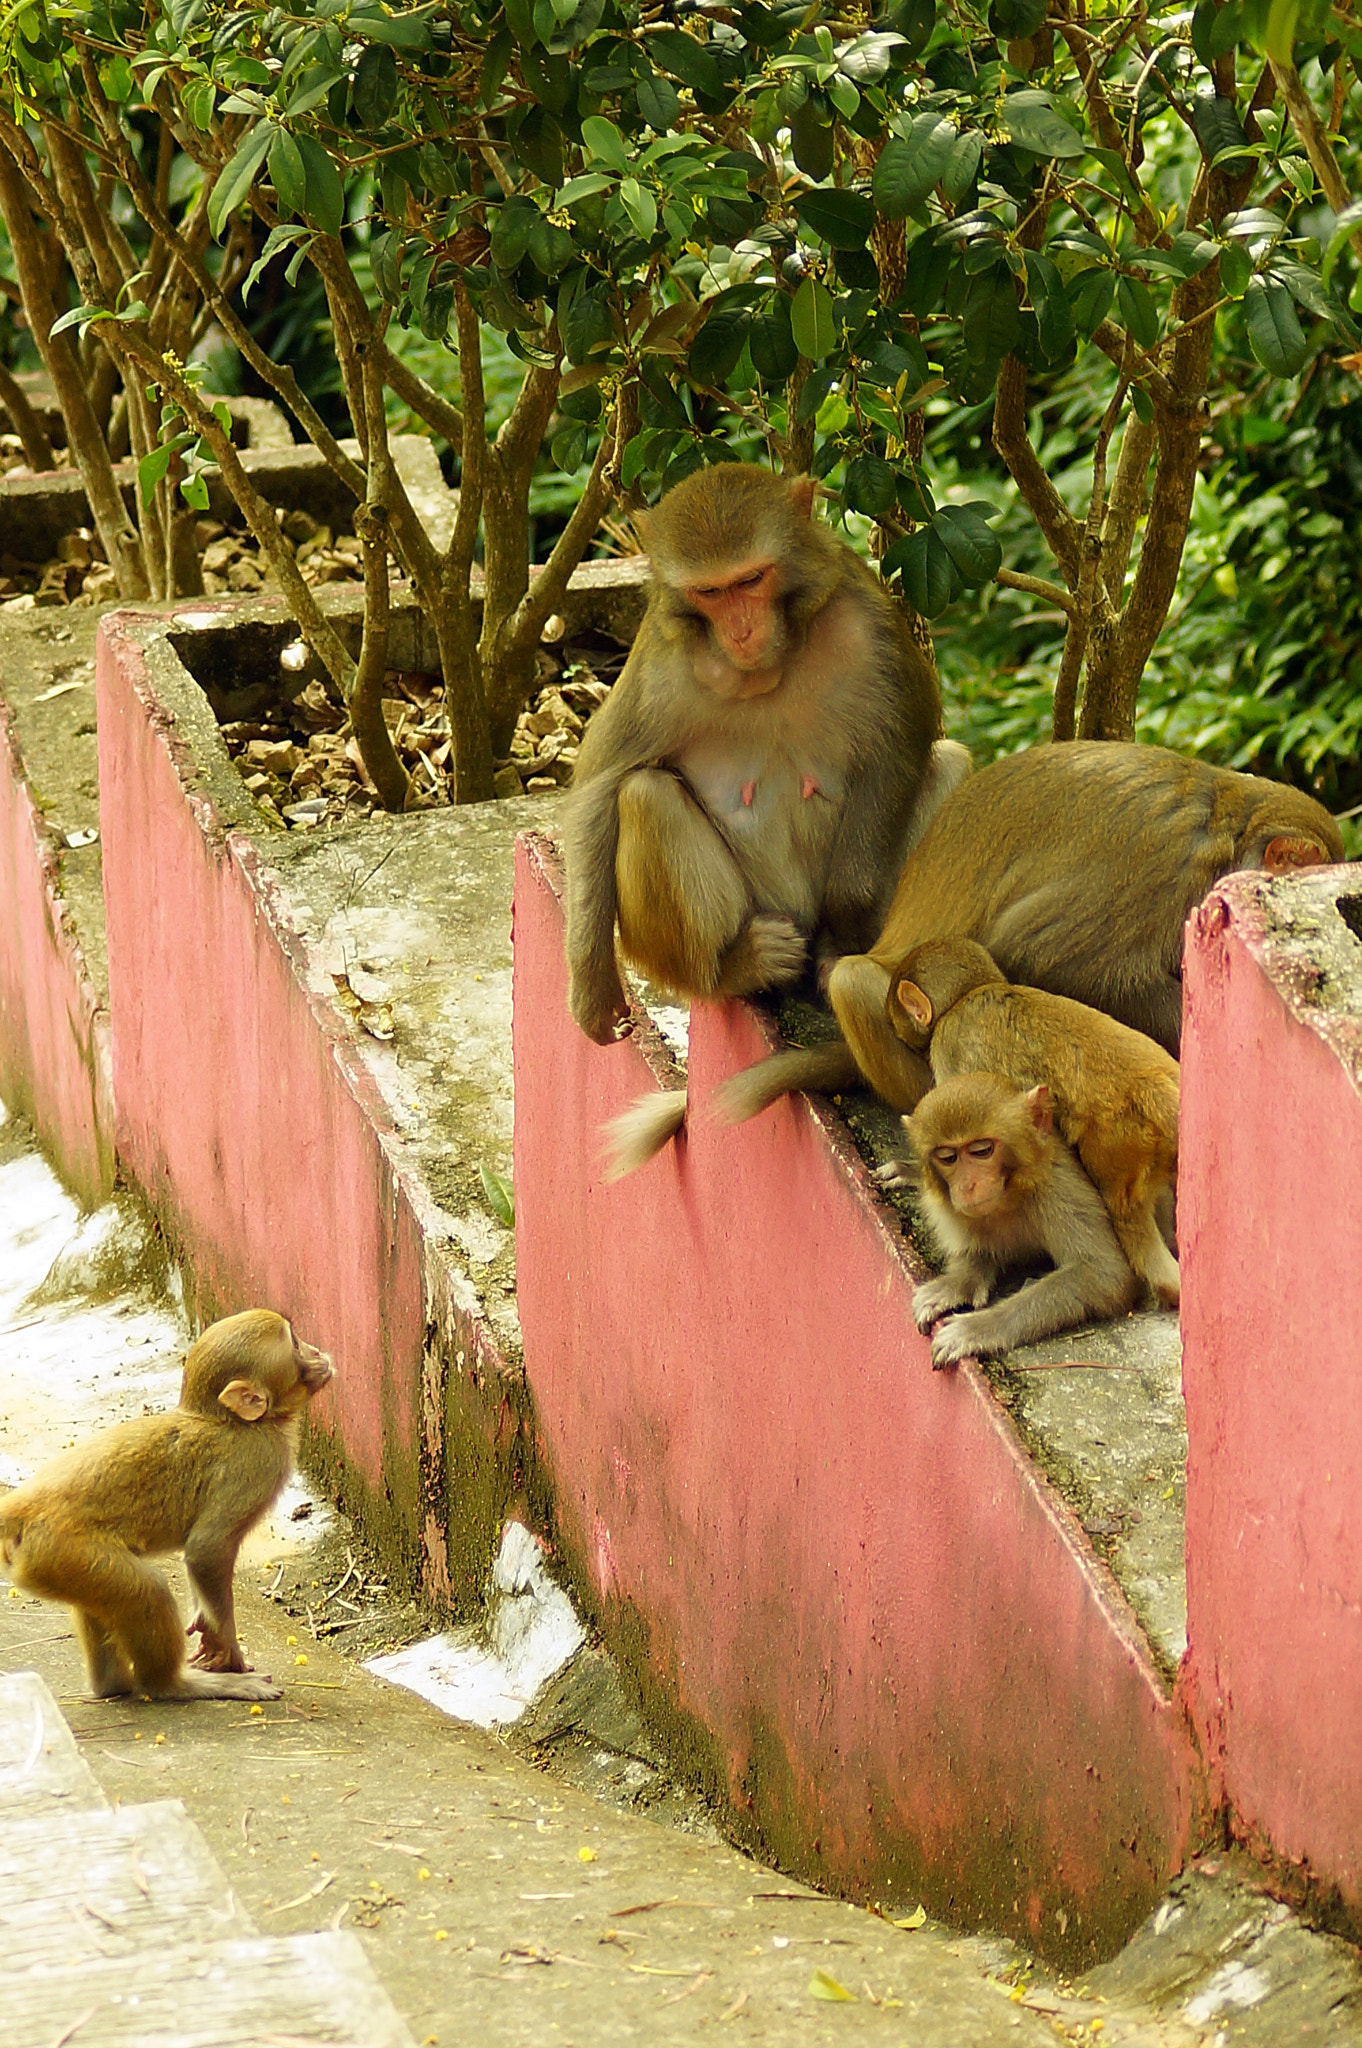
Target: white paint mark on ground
490	1679
1237	1985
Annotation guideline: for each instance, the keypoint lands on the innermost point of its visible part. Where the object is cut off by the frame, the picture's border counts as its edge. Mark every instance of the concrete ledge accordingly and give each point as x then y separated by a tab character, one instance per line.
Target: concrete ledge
835	1572
1271	1228
54	1025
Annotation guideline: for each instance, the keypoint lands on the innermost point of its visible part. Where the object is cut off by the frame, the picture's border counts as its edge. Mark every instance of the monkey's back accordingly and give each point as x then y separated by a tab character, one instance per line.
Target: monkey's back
1100	1071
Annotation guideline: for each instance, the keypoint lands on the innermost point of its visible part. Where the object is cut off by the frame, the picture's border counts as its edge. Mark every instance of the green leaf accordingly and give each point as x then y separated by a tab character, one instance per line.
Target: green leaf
636	457
409	32
1274	332
866	59
154	465
658	102
1345	227
568	447
962	167
929	263
716	349
1054	314
589	326
511	225
842	219
1192	252
1143	404
989	319
811	320
80	316
1236	268
116	77
771	343
1138	313
869	485
1218	127
1012	21
673	50
324	200
237	175
910	165
973	548
194	490
549	247
641	207
1308	290
1090	295
930	579
375	87
603	139
1033	121
199	100
811	140
287	173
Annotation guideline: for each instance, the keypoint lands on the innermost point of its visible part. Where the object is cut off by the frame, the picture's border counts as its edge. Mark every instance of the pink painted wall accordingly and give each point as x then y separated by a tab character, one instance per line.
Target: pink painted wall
242	1110
54	1042
917	1677
1270	1226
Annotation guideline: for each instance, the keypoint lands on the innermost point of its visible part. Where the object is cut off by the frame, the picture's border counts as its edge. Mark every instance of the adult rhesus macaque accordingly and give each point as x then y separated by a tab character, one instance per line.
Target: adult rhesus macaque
195	1479
746	794
1001	1189
1115	1093
1076	866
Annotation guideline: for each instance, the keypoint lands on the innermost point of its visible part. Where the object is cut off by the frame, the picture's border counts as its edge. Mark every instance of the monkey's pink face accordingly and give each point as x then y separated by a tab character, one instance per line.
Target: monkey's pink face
744	616
975	1173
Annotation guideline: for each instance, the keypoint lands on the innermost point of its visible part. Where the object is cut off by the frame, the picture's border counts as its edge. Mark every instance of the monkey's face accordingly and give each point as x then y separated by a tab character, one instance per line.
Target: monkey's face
974	1175
305	1374
746	623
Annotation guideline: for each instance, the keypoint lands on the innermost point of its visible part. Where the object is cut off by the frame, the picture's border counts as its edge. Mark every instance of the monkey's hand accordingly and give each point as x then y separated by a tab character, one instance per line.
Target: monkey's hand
962	1337
216	1652
896	1173
937	1298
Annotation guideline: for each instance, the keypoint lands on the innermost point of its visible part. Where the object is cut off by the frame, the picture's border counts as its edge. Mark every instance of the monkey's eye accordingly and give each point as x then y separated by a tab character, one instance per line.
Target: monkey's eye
982	1148
946	1155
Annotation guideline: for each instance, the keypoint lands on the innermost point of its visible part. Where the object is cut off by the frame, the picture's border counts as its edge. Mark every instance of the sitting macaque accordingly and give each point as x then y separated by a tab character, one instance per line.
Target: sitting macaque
1115	1093
744	799
1075	866
196	1480
1001	1189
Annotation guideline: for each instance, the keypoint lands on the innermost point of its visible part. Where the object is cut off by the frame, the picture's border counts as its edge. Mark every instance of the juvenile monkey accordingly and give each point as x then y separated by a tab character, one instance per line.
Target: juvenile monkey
1001	1189
1114	1092
195	1479
750	787
1076	866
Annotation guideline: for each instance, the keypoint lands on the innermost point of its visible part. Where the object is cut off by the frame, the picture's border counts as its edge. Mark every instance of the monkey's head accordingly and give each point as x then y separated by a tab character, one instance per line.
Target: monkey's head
929	980
253	1367
1286	829
735	554
980	1143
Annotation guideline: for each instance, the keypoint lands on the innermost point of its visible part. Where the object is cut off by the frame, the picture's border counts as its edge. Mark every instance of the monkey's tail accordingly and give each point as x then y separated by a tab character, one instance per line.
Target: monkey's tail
824	1067
639	1132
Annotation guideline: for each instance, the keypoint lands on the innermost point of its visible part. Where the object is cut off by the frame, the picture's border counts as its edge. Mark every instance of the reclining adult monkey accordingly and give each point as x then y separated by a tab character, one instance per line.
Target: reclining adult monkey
1075	866
748	791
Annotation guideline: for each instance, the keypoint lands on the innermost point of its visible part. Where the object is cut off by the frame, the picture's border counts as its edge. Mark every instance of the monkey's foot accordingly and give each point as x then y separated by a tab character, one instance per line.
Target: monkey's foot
767	953
934	1299
962	1337
221	1685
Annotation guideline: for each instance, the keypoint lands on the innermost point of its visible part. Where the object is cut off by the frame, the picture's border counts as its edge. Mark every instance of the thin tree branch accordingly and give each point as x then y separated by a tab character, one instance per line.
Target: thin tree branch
1057	524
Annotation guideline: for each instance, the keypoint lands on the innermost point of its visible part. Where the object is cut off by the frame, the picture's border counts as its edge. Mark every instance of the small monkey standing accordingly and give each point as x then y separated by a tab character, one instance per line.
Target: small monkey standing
748	791
196	1479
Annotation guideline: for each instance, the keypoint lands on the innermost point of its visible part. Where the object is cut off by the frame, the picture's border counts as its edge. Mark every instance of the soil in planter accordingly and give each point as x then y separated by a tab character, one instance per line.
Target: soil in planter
302	765
230	560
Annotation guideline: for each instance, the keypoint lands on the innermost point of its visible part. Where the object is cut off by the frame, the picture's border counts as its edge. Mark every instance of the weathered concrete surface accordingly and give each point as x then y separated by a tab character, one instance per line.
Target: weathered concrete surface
1271	1226
54	1042
884	1633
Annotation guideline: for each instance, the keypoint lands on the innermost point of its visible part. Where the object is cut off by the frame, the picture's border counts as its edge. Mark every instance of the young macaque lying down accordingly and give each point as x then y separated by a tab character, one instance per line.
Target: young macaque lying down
195	1479
1001	1189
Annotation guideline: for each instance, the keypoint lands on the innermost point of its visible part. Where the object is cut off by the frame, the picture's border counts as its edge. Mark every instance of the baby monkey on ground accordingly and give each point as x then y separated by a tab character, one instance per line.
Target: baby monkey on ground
1114	1091
1001	1189
195	1479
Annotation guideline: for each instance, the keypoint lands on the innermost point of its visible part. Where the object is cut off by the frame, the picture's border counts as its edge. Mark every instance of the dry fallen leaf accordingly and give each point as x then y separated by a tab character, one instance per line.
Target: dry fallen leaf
824	1985
917	1918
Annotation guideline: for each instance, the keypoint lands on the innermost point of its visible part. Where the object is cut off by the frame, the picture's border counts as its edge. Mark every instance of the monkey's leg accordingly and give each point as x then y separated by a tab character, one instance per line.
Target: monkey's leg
109	1670
1132	1196
858	988
684	907
1142	1242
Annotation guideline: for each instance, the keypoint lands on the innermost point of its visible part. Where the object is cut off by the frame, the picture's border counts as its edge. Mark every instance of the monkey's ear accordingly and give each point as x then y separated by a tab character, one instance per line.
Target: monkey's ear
1042	1108
1282	854
245	1400
915	1004
804	492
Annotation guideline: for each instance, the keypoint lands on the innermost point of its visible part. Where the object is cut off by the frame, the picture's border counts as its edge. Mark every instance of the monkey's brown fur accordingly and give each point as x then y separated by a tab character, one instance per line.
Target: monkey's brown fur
750	786
1024	1196
195	1479
1115	1092
1076	867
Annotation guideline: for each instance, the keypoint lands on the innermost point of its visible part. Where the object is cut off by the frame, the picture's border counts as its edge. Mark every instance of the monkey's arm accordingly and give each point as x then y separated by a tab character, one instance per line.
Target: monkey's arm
210	1560
595	993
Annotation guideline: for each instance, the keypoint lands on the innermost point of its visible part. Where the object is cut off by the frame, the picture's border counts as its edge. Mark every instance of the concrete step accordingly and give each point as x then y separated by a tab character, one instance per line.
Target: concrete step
115	1924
